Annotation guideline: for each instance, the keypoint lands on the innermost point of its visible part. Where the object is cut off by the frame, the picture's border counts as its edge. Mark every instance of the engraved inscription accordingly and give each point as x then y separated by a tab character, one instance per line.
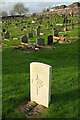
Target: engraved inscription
37	90
39	82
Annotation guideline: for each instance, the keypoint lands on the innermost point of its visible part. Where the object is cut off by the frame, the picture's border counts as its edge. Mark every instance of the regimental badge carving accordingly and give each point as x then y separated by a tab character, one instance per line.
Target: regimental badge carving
39	82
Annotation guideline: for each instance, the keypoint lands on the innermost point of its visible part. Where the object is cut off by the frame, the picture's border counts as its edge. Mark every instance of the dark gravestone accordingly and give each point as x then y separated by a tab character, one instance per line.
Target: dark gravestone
7	36
39	27
40	41
28	26
50	39
21	29
48	22
38	31
24	27
24	39
55	32
30	35
51	25
4	30
69	21
72	25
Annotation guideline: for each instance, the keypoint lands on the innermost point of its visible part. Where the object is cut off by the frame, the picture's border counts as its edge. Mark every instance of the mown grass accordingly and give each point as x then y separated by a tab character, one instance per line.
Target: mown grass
64	82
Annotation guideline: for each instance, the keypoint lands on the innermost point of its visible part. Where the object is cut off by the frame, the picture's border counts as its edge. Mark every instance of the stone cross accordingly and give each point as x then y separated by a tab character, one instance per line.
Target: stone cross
40	83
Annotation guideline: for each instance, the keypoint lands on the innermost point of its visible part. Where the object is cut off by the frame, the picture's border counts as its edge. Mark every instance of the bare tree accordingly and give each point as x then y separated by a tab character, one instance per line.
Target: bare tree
20	9
4	14
12	13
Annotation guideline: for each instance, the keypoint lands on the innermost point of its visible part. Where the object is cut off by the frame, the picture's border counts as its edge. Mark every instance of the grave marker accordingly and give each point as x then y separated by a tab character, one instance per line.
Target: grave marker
55	32
50	39
24	39
6	35
40	41
38	31
40	83
30	35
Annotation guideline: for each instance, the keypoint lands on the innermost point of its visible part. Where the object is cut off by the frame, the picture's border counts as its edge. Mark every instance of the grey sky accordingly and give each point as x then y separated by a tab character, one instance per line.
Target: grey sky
36	6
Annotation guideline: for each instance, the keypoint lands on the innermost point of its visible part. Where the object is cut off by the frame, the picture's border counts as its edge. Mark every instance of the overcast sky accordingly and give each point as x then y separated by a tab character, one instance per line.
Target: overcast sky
36	6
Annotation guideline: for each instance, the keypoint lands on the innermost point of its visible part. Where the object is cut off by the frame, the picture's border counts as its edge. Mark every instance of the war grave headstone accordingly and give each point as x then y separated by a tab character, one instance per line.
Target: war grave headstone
40	42
40	83
40	91
50	39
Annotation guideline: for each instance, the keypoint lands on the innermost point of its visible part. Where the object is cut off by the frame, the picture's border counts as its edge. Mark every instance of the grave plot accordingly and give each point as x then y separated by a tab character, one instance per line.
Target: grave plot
40	90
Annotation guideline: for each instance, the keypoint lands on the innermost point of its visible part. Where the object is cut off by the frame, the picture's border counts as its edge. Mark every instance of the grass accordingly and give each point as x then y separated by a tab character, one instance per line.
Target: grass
64	81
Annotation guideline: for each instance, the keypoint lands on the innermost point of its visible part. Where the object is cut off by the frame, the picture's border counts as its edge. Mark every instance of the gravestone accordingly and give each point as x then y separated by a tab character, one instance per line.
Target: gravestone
65	28
21	29
24	27
6	35
4	30
40	83
40	41
50	39
55	32
72	25
51	25
69	21
24	39
38	31
28	26
30	35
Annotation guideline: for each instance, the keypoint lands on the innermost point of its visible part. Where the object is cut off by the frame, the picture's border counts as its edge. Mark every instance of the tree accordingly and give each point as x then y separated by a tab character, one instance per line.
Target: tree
44	10
12	13
4	14
48	9
20	9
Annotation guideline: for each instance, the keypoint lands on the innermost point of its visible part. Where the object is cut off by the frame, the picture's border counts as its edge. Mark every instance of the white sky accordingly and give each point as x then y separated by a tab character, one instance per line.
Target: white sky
40	0
36	6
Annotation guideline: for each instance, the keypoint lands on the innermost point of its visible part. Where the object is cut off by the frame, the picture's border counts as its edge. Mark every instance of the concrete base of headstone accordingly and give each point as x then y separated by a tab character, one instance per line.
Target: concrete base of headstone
31	109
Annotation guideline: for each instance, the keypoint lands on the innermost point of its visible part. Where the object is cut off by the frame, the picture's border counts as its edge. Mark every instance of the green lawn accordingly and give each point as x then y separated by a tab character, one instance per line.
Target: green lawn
64	81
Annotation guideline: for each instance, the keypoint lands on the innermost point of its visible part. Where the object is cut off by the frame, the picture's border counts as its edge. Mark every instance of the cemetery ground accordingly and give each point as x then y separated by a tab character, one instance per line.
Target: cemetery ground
16	72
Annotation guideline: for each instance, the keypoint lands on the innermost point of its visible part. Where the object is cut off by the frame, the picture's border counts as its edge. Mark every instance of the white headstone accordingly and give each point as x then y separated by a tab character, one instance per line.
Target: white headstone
40	83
